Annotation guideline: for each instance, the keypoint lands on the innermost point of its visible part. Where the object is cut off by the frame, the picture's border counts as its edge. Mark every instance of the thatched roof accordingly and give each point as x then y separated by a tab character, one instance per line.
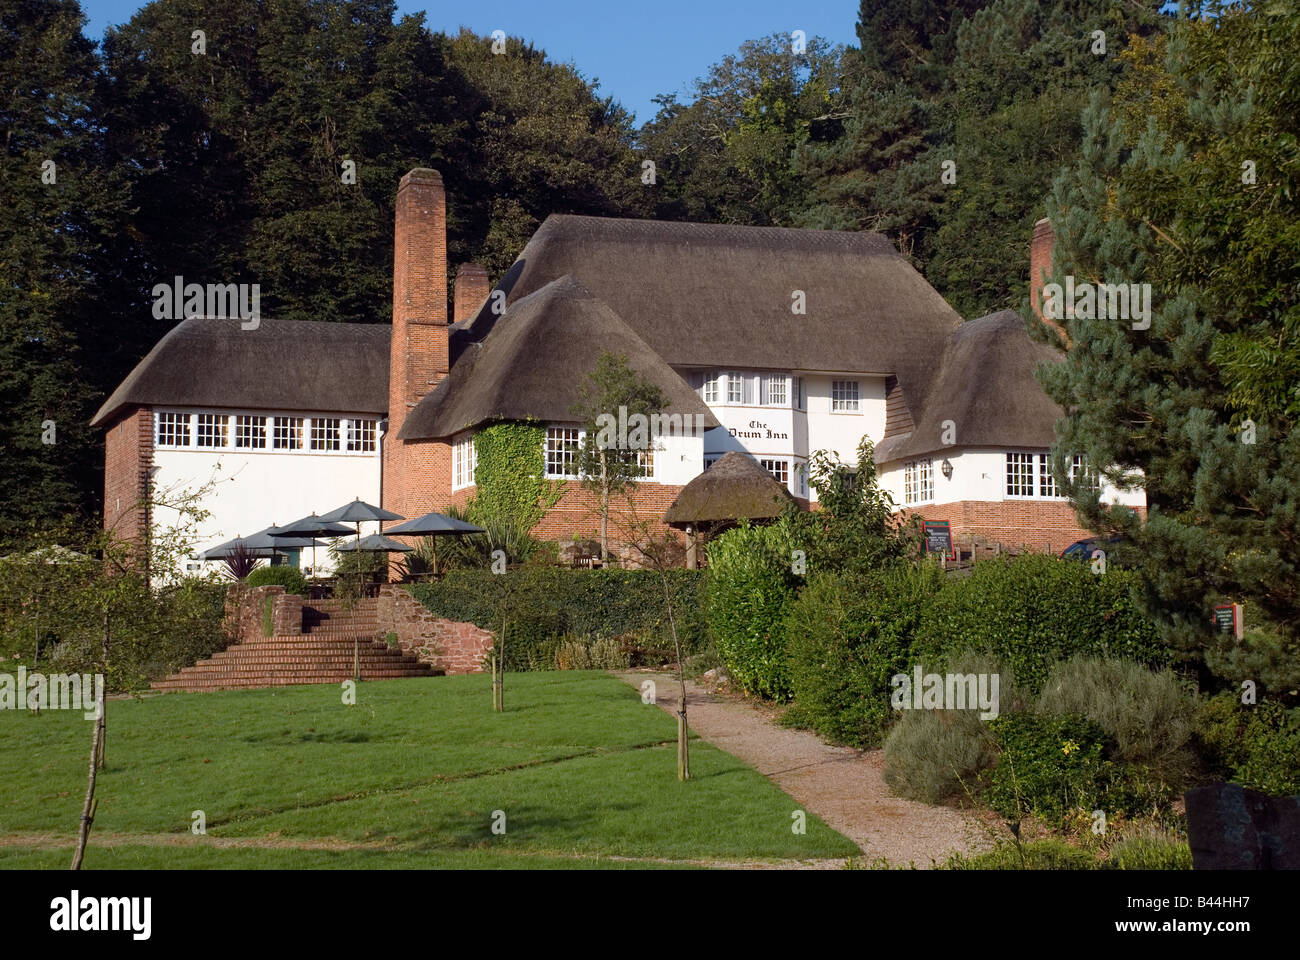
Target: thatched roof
706	295
734	488
535	366
280	365
986	387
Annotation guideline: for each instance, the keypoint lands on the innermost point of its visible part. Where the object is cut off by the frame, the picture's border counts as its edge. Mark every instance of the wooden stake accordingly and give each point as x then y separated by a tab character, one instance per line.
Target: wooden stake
88	808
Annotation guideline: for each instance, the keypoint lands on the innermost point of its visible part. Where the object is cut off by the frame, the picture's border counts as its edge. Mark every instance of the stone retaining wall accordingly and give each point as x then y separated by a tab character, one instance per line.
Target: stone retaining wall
446	645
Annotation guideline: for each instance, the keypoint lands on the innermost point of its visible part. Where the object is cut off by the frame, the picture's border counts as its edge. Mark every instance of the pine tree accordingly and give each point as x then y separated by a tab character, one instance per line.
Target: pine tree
1159	195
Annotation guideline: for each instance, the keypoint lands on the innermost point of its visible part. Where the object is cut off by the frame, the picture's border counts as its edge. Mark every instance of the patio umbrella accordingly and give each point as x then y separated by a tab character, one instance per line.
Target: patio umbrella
357	511
375	543
311	526
264	543
435	525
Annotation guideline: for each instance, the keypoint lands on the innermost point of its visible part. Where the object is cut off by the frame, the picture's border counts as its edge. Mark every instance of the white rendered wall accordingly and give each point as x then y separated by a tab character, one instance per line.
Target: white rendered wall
980	474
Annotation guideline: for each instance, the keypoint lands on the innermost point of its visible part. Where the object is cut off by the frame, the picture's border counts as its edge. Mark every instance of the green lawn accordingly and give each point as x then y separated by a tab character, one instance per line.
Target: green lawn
409	777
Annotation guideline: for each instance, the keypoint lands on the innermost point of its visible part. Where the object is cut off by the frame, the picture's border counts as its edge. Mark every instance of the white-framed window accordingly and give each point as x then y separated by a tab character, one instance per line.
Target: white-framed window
780	469
562	451
844	396
711	460
286	433
361	436
1046	482
1020	474
712	387
250	432
918	481
735	388
173	430
211	430
645	463
775	393
325	433
800	401
1080	468
801	469
464	461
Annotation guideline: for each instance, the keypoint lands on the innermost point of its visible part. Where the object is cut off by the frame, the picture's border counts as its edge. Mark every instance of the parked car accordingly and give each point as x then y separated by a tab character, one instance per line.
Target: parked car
1082	549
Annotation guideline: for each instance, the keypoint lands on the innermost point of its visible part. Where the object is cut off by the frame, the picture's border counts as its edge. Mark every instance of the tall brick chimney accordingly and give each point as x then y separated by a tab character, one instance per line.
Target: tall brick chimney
472	288
420	353
1040	267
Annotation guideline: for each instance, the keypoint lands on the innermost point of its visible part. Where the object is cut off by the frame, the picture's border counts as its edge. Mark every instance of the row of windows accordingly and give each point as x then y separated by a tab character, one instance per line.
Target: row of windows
1027	475
732	387
221	431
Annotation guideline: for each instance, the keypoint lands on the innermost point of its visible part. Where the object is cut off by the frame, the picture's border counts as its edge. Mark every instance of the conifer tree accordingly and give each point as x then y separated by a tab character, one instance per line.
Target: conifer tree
1161	194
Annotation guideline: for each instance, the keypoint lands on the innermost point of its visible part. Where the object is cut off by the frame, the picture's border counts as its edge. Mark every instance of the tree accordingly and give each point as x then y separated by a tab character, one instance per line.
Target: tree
56	229
612	457
726	156
1161	195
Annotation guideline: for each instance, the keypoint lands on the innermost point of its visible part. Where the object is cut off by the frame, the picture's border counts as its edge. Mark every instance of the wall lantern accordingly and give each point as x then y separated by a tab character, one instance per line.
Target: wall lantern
947	470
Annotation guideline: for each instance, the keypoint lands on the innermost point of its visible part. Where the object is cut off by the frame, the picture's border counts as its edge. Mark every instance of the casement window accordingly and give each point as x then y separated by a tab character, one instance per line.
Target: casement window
1046	481
361	436
286	433
779	469
712	388
774	392
250	432
918	481
1082	471
800	401
844	396
802	470
735	388
464	460
1020	474
562	451
710	461
211	430
173	430
645	463
325	433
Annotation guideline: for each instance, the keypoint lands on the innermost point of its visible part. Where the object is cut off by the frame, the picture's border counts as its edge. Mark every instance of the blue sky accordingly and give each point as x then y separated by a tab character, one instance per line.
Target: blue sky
635	49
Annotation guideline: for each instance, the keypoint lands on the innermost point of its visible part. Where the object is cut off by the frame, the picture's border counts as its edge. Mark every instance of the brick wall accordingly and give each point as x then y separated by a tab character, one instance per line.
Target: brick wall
128	457
578	511
1029	524
445	645
243	612
471	289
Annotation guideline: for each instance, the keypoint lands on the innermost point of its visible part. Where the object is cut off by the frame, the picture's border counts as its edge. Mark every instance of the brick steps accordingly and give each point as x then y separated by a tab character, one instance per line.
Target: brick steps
321	654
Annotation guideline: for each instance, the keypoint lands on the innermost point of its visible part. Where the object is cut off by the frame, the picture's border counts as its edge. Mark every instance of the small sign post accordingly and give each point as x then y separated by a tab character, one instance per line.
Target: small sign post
1228	619
938	539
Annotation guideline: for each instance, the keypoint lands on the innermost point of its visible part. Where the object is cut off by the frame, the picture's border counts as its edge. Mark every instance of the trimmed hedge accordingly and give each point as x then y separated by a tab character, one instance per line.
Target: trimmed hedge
846	637
283	575
1034	610
546	605
751	588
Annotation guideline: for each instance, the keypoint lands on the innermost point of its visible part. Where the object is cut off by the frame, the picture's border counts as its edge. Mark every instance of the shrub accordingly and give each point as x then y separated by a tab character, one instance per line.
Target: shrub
932	755
283	575
600	654
846	636
1034	610
1035	855
1256	746
750	585
1047	766
544	605
1151	716
1155	851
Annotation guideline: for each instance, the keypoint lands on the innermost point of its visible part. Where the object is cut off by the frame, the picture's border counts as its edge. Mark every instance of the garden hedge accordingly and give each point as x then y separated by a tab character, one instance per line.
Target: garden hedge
544	605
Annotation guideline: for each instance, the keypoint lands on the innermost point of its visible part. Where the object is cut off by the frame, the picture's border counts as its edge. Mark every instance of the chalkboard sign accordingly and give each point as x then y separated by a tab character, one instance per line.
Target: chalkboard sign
1227	619
938	539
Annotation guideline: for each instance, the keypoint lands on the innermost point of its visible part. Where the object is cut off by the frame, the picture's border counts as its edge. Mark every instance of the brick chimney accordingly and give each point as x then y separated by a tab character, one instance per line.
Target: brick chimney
420	354
1040	267
472	288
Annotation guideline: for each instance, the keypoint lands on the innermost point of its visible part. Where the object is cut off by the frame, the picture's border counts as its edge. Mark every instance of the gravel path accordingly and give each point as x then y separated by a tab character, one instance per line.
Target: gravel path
843	786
